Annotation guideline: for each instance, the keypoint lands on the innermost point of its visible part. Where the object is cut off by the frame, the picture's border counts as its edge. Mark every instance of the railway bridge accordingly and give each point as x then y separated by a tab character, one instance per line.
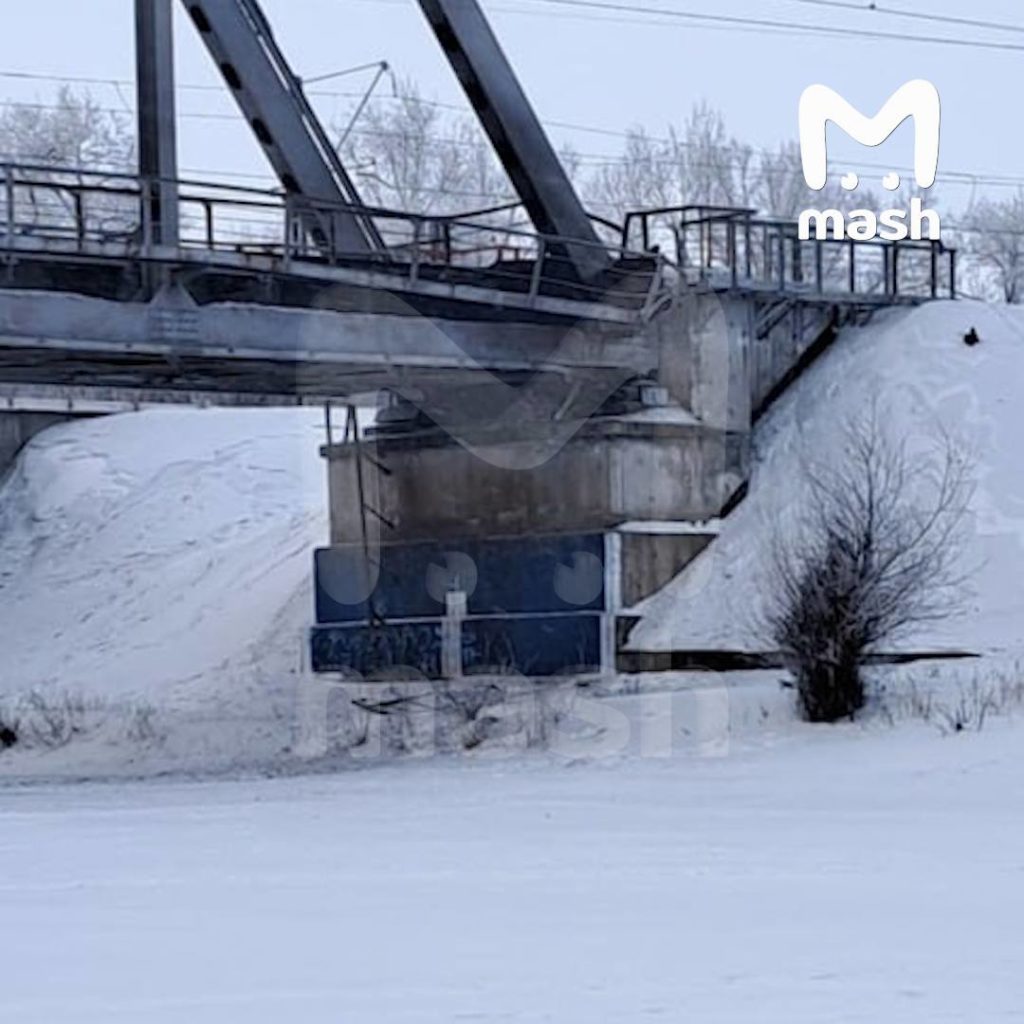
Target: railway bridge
569	407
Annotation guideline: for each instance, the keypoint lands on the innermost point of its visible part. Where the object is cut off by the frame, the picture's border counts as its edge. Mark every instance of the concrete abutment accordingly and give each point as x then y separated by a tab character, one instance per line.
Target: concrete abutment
531	538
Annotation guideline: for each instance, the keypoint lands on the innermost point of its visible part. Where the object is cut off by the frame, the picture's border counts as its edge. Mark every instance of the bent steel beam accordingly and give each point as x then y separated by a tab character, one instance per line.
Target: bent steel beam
240	40
515	132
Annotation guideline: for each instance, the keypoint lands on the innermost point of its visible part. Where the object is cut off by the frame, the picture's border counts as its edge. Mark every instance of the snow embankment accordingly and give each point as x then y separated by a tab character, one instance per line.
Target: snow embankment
916	368
161	561
155	599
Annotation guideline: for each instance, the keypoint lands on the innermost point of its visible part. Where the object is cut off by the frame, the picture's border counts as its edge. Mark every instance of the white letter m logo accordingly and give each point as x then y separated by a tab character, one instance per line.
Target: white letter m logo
918	99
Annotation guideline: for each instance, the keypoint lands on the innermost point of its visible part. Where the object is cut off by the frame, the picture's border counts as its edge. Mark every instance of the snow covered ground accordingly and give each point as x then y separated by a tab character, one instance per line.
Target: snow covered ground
850	874
682	850
914	364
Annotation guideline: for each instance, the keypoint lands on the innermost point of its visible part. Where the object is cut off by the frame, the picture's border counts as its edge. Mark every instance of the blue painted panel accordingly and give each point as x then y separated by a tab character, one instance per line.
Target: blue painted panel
372	649
341	588
516	575
539	574
534	645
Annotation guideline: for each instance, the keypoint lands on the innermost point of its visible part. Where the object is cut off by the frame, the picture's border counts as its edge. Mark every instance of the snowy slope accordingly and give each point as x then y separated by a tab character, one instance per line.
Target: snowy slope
915	365
163	555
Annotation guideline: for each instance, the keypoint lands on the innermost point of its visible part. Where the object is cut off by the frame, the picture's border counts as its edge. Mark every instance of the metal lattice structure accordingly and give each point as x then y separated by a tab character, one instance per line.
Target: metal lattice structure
144	283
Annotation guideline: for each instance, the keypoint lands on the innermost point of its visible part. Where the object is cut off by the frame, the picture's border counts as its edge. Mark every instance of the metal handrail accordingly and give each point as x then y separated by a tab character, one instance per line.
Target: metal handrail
252	197
751	251
760	251
65	203
83	207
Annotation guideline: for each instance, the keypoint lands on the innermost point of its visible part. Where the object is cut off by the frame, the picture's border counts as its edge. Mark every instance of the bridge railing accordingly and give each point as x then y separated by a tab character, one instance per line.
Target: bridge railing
735	248
92	211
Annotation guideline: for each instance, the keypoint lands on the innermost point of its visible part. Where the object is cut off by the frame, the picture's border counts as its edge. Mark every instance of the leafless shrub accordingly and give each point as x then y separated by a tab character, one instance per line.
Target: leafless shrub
912	701
49	721
967	707
875	554
969	710
10	727
477	710
52	720
382	718
466	698
142	725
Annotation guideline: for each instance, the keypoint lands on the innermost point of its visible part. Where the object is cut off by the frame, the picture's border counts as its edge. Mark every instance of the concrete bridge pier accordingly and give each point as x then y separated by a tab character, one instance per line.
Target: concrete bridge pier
524	522
525	529
534	544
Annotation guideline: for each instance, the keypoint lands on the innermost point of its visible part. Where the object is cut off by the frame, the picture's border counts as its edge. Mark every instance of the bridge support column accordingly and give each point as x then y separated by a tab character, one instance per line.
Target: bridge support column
541	555
545	538
157	131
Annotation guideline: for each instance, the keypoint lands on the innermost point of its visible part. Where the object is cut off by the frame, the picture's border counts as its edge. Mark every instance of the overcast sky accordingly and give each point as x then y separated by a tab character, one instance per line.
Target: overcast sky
579	66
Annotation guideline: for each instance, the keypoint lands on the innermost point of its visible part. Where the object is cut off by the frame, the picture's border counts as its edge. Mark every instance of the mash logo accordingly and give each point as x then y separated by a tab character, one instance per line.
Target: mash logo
819	104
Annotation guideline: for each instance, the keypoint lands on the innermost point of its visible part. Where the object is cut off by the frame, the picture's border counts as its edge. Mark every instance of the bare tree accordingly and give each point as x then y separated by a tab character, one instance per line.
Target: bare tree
73	132
54	144
781	189
875	553
643	176
698	164
992	236
702	164
409	154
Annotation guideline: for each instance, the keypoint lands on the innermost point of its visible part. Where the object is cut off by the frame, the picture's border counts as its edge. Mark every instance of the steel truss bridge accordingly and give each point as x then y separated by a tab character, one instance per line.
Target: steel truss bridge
148	286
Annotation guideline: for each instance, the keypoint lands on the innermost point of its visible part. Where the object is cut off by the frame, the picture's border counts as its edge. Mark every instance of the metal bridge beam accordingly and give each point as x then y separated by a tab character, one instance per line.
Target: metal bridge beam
166	344
240	40
158	157
514	130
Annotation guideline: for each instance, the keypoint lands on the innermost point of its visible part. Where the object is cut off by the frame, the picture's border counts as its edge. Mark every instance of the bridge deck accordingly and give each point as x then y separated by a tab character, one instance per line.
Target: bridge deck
247	304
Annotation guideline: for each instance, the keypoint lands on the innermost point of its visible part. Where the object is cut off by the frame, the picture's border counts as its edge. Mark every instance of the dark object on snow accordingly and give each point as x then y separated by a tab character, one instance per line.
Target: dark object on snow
8	737
971	337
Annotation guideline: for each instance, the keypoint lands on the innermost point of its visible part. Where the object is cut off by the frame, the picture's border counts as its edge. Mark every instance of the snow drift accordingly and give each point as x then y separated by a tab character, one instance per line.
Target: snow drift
164	557
915	367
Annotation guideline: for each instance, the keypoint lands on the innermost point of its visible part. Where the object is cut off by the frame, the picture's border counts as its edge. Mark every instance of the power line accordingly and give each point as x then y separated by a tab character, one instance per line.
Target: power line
740	21
610	18
870	7
317	93
234	118
735	24
595	161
